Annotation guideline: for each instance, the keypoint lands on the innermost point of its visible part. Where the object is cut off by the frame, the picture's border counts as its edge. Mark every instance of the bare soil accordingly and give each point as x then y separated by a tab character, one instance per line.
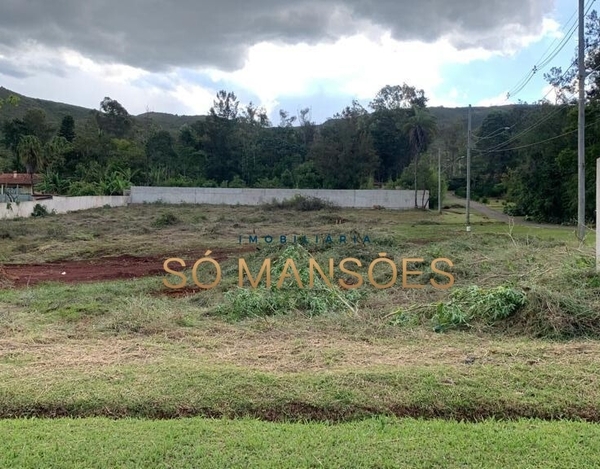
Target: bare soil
101	268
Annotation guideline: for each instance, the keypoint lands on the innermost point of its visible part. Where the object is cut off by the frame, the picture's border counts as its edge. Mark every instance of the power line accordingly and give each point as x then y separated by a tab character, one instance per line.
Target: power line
493	134
588	73
562	44
542	62
500	146
517	89
573	15
537	143
545	60
544	118
525	131
535	124
542	141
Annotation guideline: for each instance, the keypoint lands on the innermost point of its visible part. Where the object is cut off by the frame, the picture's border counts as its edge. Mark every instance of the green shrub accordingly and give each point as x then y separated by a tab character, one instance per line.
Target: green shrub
166	219
513	210
301	204
473	303
236	182
40	211
82	188
266	183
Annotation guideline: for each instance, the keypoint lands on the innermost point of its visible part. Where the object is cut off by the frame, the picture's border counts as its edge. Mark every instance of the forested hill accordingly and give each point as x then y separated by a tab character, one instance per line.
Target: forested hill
55	112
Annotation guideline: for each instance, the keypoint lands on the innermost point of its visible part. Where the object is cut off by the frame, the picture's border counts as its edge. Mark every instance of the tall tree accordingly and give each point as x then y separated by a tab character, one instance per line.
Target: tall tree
113	119
393	106
36	123
343	150
249	132
67	128
31	154
493	155
452	137
225	106
420	128
12	131
398	97
191	150
308	128
219	138
390	142
160	151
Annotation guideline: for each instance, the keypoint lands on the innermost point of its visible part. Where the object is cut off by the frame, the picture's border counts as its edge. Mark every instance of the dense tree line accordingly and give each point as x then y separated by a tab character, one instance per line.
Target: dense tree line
233	146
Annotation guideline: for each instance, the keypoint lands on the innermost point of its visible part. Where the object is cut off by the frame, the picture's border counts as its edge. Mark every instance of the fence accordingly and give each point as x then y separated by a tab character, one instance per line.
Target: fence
393	199
60	205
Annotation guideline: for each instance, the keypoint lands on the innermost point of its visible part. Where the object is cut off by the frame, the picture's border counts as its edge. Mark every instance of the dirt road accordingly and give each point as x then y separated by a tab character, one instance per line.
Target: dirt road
497	215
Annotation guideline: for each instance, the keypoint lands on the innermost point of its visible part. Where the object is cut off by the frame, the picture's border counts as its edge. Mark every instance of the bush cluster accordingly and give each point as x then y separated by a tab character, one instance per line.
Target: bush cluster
302	204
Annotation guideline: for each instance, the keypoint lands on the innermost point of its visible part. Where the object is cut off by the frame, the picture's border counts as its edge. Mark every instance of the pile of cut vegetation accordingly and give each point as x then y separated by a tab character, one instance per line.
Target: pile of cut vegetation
537	311
532	288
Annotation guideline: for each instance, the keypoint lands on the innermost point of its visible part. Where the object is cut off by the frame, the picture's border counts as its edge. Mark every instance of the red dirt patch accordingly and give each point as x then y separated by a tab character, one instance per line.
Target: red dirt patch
102	268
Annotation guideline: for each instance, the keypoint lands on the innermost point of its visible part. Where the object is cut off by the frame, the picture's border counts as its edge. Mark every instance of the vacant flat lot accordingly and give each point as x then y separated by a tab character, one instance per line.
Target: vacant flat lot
89	329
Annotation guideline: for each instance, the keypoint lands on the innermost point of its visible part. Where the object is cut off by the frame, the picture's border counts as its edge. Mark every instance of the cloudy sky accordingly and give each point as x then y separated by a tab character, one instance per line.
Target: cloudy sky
174	55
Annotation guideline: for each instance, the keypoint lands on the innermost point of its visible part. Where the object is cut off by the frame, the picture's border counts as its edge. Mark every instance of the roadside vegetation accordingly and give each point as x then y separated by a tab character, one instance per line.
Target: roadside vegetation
380	442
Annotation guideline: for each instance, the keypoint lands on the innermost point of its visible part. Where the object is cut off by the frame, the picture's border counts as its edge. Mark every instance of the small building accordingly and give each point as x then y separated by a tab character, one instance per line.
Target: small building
17	187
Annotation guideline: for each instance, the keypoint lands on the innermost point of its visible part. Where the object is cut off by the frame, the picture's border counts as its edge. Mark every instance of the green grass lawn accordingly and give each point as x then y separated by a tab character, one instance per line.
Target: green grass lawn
374	443
321	379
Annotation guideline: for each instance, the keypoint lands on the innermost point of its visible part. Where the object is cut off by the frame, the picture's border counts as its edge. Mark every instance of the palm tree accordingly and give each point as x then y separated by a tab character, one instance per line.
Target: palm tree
420	127
31	154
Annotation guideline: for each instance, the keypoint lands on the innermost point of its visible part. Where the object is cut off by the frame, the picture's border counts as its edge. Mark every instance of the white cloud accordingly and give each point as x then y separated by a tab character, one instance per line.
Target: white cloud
453	98
85	83
355	66
498	100
197	99
115	73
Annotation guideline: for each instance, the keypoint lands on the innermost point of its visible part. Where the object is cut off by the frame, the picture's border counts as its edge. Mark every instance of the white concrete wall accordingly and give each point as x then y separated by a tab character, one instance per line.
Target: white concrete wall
61	205
394	199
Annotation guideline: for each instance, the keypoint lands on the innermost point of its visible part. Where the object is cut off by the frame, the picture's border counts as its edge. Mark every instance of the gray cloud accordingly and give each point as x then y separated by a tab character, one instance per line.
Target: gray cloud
9	69
159	34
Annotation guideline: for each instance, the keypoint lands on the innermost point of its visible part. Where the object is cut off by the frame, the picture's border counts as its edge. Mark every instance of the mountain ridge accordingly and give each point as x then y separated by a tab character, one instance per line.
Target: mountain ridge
55	111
